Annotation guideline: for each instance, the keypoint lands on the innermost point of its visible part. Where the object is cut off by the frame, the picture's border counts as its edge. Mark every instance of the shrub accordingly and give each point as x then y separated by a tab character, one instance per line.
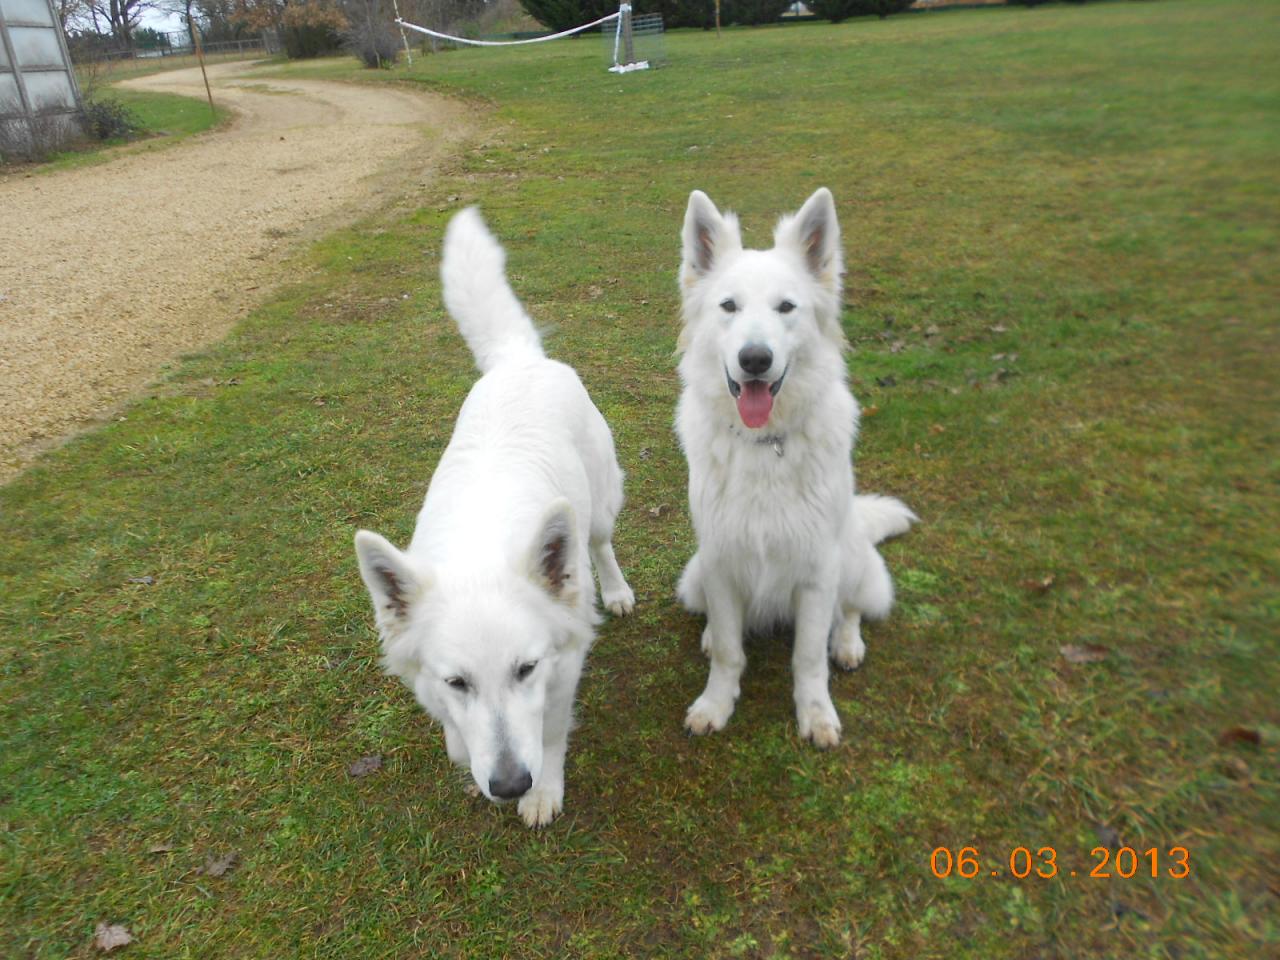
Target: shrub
563	14
370	36
109	119
837	10
752	12
558	15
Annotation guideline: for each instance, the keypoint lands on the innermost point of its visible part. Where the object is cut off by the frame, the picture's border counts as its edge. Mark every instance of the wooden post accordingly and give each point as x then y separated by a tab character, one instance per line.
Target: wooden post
195	38
717	18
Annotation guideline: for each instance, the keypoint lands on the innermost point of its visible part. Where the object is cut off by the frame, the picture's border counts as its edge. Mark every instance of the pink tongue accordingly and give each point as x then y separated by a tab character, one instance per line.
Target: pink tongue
754	403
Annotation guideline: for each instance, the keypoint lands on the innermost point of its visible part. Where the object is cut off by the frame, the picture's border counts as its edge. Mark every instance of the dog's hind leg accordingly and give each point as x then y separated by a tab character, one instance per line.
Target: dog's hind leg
869	595
847	648
690	593
606	499
712	710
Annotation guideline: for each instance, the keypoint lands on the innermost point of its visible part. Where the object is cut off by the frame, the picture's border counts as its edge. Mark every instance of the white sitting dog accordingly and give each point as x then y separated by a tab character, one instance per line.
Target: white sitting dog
767	423
488	615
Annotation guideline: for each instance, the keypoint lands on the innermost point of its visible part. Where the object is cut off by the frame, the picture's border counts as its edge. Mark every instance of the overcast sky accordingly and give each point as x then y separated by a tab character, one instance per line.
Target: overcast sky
161	20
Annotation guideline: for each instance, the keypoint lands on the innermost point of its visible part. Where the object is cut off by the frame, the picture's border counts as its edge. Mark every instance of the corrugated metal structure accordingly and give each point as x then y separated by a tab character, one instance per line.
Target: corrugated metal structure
39	96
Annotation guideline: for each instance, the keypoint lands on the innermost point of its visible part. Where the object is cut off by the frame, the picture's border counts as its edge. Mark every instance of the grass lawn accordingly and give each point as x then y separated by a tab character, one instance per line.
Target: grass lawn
1061	231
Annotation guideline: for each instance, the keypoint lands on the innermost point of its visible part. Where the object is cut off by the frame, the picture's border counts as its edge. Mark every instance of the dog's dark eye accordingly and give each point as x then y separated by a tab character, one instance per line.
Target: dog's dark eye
523	671
458	683
729	305
786	306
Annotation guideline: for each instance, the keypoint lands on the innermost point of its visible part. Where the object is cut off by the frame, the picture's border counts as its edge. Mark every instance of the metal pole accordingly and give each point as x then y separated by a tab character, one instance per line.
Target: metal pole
628	46
395	5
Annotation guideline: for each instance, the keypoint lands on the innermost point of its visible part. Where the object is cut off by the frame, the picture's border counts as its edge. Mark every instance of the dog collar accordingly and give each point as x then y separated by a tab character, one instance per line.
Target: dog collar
775	440
778	441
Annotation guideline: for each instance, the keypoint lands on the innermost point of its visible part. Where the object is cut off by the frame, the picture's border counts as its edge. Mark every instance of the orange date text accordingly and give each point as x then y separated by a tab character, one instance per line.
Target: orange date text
1042	862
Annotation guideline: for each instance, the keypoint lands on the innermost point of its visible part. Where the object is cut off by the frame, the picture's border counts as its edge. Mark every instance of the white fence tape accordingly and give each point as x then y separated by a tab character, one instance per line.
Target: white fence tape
508	43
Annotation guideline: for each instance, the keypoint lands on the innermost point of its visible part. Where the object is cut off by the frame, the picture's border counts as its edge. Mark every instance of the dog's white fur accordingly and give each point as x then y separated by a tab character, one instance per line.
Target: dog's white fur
782	539
488	615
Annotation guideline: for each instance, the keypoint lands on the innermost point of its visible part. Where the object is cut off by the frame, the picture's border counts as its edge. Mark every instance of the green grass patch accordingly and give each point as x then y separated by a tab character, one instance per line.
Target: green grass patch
1060	226
162	119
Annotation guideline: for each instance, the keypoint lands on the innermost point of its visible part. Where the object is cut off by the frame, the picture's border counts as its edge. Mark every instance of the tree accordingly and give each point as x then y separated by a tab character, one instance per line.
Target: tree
219	19
121	17
71	12
307	28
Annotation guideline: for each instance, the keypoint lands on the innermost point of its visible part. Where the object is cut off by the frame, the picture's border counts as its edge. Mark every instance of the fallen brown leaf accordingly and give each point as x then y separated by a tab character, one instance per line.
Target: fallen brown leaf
870	411
937	428
1083	652
1239	735
111	936
219	866
1039	586
366	765
1108	836
160	848
1236	769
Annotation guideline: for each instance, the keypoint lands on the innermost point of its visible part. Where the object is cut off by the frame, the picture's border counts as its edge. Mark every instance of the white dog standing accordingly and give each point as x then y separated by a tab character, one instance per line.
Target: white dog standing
488	615
767	423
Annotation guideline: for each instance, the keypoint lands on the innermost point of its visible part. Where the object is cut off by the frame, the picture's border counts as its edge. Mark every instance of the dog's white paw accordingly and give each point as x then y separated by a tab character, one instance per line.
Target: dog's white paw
848	651
707	715
619	602
819	724
541	804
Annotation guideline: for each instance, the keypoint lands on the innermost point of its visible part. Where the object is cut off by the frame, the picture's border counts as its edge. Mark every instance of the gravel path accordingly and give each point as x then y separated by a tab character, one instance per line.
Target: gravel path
107	272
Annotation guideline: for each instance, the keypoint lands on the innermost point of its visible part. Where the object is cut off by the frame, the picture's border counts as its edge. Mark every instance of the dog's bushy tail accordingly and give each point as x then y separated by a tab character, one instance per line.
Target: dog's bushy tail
478	297
883	517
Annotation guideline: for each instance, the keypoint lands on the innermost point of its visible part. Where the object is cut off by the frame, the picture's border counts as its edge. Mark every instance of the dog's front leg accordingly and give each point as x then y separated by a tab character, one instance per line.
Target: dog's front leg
815	713
454	745
712	710
614	592
545	798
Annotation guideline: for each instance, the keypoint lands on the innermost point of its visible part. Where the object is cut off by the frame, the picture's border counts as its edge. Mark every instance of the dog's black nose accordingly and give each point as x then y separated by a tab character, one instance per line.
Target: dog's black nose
512	785
755	359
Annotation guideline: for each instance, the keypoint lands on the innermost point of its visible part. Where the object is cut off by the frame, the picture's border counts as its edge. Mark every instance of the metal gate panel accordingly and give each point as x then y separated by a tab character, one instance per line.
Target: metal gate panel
39	97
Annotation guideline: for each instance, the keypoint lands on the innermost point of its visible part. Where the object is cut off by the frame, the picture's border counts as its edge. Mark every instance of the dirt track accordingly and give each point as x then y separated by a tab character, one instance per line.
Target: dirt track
109	271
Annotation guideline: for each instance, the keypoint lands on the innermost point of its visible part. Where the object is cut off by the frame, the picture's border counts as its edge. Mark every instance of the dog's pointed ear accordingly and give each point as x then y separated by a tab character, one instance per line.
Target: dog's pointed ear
708	236
814	233
394	583
551	558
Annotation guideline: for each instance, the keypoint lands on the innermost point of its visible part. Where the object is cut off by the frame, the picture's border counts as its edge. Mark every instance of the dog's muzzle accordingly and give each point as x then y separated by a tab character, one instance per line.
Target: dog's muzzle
735	388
